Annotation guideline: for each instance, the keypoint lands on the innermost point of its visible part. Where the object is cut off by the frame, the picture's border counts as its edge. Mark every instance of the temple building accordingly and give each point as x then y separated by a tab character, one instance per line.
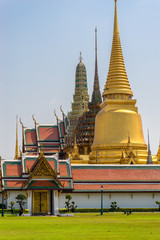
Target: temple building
80	102
119	163
85	126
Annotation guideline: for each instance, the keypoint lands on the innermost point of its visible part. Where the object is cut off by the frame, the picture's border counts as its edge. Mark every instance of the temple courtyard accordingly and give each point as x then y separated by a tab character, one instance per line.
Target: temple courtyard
110	226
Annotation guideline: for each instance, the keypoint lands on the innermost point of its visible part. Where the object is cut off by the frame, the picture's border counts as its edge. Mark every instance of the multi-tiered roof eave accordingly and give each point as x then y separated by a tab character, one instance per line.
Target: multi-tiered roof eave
48	137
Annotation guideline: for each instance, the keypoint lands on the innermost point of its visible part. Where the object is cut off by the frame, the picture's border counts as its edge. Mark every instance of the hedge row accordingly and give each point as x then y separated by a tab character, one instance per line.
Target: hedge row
83	210
15	211
1	206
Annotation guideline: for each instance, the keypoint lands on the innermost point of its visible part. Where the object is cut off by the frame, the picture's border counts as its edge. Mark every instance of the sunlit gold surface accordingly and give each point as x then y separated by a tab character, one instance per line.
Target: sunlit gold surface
118	117
117	80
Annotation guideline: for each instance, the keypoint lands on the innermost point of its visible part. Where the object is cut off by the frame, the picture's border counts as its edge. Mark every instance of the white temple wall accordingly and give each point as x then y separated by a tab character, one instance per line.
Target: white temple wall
11	196
124	200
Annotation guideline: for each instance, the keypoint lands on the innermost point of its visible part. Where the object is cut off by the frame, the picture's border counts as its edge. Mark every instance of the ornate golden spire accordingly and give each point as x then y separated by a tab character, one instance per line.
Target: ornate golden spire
117	85
116	27
16	149
96	95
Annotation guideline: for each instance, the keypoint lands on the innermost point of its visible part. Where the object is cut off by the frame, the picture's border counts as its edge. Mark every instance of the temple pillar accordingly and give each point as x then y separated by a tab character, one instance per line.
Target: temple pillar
55	202
85	150
29	202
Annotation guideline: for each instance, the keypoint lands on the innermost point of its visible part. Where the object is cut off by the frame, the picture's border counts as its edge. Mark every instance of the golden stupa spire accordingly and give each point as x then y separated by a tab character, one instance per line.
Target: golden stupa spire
117	85
116	27
16	149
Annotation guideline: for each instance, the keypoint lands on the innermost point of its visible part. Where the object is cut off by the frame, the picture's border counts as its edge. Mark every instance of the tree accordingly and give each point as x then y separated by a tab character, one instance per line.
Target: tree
21	199
158	203
73	206
11	206
113	206
68	204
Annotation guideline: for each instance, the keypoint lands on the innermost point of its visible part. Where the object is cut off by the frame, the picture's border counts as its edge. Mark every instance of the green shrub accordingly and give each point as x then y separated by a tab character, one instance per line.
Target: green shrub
114	207
67	203
158	203
16	211
85	210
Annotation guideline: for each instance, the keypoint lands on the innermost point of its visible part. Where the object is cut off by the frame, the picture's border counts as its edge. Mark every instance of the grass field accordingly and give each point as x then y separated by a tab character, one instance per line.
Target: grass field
137	226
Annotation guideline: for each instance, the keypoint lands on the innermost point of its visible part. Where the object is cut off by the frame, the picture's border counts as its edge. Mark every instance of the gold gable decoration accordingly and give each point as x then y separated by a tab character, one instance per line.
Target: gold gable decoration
41	169
130	155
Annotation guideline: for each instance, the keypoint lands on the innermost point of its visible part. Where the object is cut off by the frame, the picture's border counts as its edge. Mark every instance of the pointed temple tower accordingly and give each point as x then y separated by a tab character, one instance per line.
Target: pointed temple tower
96	95
118	117
85	127
80	100
16	148
149	157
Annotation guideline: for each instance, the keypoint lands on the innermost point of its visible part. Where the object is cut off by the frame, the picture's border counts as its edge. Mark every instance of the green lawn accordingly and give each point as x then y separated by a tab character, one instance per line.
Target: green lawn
137	226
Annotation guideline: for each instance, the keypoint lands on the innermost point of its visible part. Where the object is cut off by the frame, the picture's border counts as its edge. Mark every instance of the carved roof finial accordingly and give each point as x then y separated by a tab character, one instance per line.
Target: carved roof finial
56	116
21	123
62	112
34	119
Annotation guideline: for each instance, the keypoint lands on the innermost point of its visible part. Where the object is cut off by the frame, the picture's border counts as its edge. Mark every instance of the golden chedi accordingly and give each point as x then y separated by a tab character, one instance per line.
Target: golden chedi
118	118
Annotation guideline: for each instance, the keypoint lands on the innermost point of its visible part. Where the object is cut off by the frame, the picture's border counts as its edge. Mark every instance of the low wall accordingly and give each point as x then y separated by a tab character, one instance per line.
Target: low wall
124	200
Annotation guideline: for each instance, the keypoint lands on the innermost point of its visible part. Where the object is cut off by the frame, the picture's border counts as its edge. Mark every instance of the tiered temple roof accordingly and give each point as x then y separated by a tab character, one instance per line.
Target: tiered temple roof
48	137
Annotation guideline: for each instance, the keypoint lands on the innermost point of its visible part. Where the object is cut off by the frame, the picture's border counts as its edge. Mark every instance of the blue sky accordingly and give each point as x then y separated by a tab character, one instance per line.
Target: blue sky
40	43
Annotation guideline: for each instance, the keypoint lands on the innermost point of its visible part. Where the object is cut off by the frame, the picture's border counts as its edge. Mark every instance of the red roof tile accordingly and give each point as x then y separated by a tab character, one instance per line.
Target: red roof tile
116	186
116	174
65	183
30	136
29	164
13	170
15	184
52	164
63	170
48	133
42	184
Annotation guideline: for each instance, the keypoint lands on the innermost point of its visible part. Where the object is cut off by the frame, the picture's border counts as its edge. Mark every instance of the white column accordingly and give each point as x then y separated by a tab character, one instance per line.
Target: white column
55	202
29	202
